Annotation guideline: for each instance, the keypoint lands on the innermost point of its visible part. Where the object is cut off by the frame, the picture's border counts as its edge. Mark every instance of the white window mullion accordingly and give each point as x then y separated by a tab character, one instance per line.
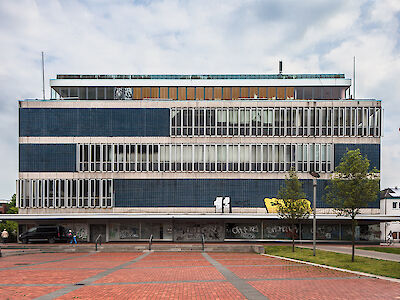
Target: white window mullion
112	192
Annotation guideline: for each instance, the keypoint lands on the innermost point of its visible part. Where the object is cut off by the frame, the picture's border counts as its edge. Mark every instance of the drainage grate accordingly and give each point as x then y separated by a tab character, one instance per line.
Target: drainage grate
79	284
21	264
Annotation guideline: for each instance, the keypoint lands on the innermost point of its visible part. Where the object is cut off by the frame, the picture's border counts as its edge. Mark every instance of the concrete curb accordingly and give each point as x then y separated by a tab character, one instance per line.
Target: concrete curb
334	268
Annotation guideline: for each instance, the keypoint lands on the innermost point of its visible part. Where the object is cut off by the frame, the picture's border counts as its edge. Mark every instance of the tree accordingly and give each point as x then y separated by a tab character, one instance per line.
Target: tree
12	206
292	204
11	226
352	187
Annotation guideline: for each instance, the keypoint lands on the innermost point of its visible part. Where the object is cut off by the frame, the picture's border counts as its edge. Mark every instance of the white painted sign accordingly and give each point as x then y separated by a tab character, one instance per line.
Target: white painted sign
222	205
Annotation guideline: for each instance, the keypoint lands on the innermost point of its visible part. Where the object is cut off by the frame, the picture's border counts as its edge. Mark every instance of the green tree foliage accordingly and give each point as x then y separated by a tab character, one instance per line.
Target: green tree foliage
12	206
11	226
352	187
293	206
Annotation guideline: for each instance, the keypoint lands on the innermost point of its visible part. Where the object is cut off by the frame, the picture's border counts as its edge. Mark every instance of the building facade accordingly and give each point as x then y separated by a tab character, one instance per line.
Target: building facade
178	156
390	206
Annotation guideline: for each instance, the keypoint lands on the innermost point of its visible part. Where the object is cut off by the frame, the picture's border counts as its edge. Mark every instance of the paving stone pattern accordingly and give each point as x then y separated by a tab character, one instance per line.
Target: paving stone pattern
179	275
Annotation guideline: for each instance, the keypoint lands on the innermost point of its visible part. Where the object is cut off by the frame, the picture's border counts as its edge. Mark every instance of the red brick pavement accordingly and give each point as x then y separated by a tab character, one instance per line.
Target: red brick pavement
11	261
34	276
255	262
162	274
121	257
174	256
163	267
78	264
329	289
169	263
234	255
26	292
197	290
298	271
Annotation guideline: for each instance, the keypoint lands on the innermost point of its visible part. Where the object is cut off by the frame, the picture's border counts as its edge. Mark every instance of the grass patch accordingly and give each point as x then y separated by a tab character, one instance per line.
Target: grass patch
339	260
381	249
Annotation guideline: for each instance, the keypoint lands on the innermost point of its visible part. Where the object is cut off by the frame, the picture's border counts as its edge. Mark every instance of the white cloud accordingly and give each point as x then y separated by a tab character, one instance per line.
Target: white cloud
198	37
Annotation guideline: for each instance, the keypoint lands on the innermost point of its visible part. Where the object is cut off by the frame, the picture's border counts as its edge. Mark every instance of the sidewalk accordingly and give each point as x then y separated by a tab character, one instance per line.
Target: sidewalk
346	249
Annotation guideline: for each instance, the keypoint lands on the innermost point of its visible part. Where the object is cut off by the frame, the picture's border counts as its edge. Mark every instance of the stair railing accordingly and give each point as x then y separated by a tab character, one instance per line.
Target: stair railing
150	242
98	240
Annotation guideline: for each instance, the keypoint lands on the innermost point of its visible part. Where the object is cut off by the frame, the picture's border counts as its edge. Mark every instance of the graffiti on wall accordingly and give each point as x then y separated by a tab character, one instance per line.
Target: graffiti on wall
194	232
242	231
127	232
123	232
279	231
80	229
271	204
324	231
370	232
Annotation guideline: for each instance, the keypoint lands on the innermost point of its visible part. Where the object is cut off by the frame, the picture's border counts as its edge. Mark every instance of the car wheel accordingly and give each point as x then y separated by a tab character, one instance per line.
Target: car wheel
52	240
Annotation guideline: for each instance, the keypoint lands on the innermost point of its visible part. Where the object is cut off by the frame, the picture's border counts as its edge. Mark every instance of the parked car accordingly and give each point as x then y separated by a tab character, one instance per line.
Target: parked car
48	233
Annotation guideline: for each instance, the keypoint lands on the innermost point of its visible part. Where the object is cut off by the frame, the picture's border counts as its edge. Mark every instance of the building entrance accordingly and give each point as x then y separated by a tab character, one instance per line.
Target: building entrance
96	230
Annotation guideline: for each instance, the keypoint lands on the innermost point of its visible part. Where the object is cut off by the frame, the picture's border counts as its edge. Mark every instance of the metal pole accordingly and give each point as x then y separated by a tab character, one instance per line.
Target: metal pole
314	215
354	77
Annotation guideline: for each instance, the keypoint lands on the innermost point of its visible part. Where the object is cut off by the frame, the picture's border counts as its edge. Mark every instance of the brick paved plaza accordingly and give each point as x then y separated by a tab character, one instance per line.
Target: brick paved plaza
179	275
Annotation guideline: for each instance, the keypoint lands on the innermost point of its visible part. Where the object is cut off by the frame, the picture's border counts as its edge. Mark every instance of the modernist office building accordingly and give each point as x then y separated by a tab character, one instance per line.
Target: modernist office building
177	156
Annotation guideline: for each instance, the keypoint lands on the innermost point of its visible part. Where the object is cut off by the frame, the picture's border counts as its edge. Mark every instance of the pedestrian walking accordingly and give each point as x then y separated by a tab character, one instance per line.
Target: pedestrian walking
389	240
4	236
69	236
72	236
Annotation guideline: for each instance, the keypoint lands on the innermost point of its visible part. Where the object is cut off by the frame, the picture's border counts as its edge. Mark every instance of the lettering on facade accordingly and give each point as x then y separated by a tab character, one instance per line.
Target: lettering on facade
223	205
272	207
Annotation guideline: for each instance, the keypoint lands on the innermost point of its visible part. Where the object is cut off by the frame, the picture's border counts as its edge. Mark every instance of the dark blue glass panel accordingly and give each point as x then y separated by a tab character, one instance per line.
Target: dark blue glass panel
47	157
202	192
372	151
94	122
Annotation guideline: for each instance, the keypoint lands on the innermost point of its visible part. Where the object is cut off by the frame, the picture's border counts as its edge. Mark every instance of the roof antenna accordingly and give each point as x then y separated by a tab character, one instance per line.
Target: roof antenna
44	94
354	77
280	67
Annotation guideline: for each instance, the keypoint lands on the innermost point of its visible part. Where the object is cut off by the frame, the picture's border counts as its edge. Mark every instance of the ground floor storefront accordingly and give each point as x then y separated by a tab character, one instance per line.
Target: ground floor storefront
212	229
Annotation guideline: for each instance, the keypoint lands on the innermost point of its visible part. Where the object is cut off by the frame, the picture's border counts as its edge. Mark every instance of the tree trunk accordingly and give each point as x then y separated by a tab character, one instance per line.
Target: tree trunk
293	237
353	233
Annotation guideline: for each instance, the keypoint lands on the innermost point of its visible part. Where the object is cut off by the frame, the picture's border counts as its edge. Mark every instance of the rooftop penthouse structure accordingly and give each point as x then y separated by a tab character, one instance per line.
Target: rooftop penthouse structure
178	156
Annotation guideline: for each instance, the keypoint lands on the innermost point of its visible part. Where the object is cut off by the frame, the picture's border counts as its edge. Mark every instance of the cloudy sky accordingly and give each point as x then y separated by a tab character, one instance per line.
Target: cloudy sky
235	36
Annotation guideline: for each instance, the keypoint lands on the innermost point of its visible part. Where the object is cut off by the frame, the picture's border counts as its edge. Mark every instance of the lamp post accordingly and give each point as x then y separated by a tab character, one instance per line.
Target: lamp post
315	175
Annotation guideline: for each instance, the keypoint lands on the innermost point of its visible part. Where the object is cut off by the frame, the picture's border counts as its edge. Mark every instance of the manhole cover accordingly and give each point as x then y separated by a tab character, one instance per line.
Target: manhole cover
79	284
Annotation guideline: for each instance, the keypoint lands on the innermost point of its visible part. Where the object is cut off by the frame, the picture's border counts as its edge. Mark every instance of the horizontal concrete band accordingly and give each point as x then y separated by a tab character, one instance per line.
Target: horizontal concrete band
199	140
195	103
182	216
164	175
253	211
345	82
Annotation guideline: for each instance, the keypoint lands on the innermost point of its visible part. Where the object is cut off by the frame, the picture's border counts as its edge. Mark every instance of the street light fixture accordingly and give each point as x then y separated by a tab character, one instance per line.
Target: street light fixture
315	175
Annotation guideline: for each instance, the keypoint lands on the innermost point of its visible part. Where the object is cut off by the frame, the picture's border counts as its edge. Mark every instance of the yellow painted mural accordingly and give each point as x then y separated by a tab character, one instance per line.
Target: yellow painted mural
272	207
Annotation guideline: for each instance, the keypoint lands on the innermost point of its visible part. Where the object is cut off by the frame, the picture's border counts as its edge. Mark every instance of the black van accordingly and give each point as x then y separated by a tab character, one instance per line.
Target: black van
48	233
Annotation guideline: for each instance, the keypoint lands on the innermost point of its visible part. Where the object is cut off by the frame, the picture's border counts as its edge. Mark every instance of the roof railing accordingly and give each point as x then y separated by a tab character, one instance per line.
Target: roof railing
200	76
